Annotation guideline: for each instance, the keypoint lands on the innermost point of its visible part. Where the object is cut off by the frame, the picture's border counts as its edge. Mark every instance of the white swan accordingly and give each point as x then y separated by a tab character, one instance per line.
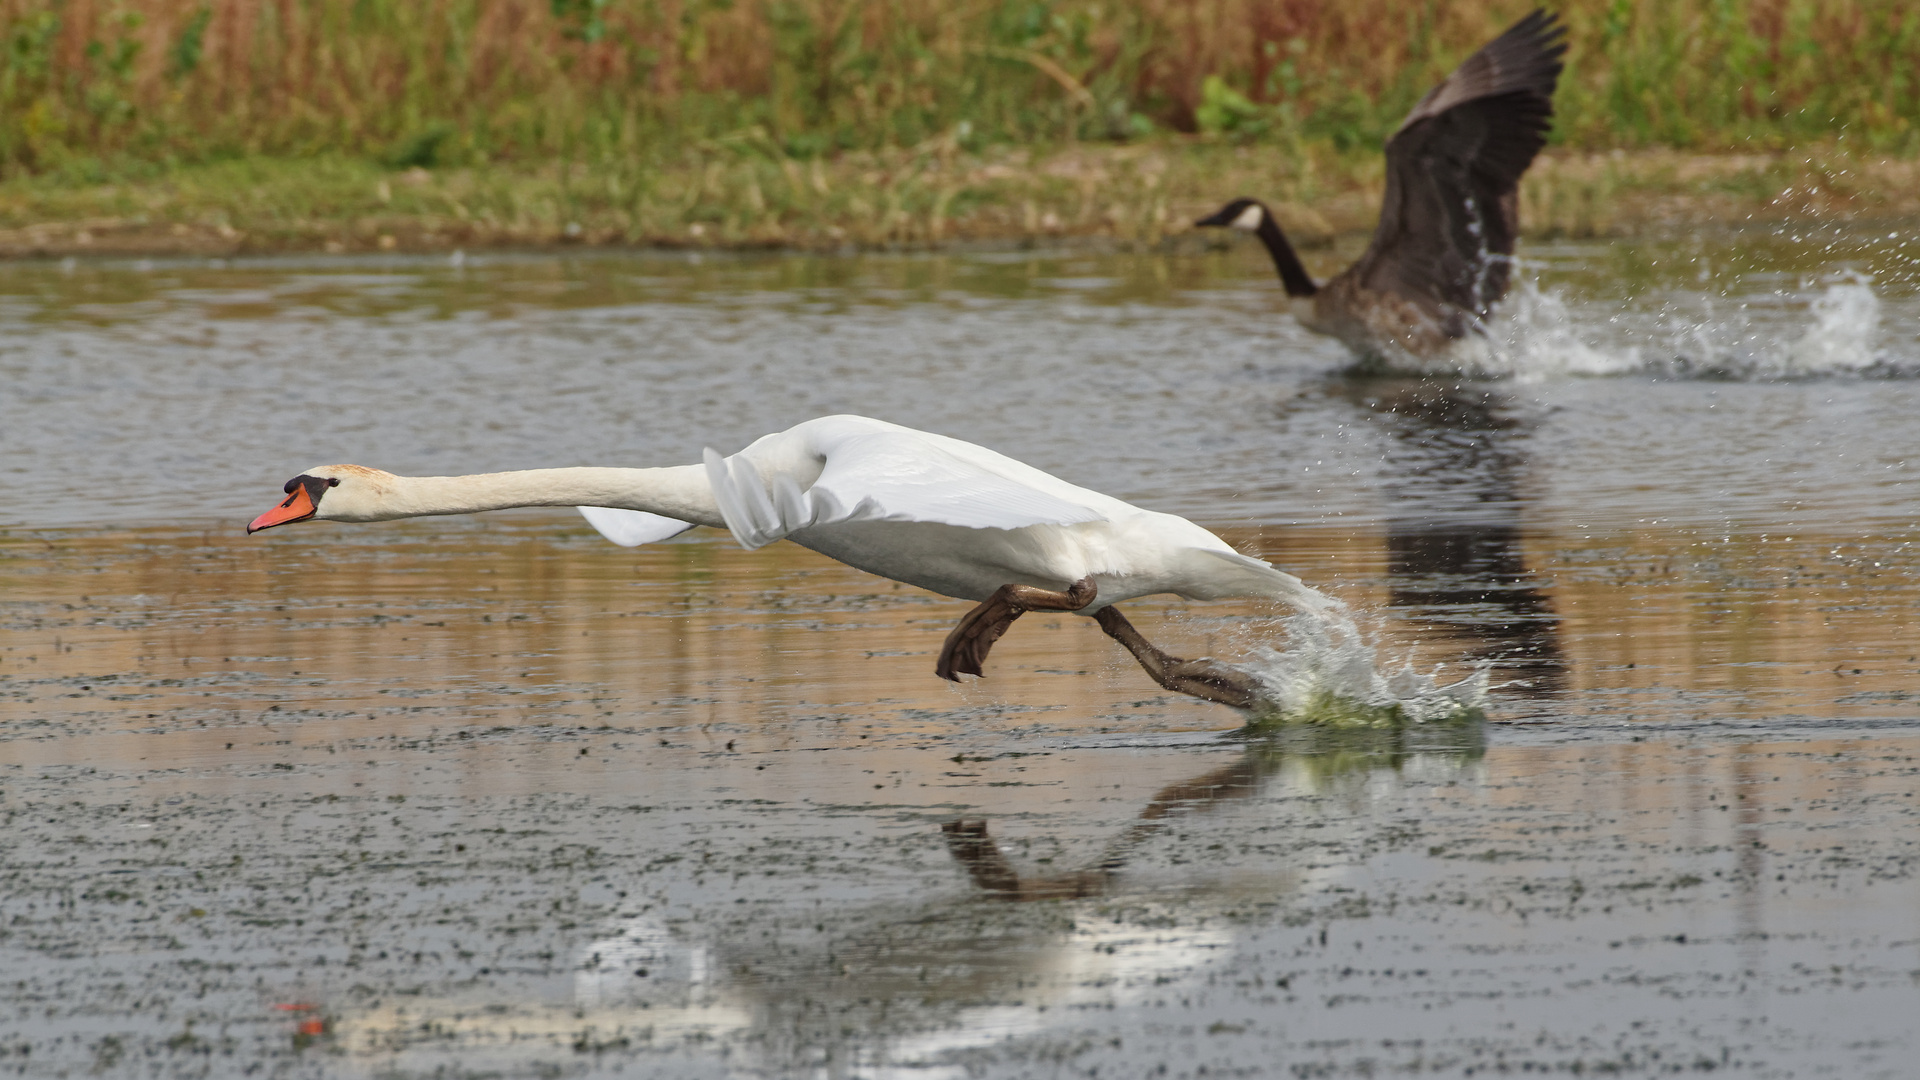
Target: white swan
927	510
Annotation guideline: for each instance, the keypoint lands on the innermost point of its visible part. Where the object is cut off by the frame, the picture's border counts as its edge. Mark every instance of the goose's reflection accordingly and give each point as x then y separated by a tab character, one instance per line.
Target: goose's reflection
1455	467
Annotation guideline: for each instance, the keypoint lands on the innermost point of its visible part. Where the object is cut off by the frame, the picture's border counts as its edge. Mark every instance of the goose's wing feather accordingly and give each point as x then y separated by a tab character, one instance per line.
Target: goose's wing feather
631	528
884	473
1453	168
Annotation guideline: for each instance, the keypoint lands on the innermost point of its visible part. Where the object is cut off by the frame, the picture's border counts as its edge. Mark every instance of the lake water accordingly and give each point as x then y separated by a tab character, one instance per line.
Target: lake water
488	795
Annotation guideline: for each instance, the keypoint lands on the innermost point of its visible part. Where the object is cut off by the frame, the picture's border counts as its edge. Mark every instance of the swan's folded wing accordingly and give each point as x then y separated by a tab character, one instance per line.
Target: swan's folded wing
631	528
887	477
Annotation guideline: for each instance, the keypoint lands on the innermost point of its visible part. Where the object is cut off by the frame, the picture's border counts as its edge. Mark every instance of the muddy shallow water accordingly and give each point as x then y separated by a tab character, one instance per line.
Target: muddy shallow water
491	797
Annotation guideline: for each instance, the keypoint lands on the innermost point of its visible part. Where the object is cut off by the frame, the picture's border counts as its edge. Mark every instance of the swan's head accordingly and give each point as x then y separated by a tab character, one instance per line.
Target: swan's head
331	493
1244	214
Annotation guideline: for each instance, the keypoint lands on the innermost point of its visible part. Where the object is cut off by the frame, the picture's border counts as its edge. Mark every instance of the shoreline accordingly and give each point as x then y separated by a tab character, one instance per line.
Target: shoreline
1128	197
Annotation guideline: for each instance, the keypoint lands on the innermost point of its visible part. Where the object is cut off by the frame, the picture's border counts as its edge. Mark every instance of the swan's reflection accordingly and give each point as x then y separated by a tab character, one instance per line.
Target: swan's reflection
995	876
921	988
1327	758
913	990
1455	468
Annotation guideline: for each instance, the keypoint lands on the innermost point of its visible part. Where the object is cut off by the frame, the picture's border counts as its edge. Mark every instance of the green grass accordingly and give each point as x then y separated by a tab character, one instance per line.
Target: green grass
221	125
134	89
745	195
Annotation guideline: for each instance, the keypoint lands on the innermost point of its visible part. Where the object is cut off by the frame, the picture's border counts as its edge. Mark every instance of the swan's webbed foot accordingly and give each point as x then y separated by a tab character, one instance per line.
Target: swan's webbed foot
1203	678
966	648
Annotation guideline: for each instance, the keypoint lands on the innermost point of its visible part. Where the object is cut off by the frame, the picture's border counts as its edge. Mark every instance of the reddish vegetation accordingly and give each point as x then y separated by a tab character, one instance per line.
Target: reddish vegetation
458	80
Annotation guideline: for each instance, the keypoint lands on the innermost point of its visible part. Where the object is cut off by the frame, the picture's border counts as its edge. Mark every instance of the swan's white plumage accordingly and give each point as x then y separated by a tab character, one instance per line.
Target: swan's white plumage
841	469
924	509
960	519
631	528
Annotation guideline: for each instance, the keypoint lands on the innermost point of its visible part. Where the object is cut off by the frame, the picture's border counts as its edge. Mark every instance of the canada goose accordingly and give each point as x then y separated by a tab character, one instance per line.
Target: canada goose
1442	252
927	510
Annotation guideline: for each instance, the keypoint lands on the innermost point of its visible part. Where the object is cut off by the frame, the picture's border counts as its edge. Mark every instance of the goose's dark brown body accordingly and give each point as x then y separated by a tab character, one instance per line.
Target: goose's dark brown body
1441	255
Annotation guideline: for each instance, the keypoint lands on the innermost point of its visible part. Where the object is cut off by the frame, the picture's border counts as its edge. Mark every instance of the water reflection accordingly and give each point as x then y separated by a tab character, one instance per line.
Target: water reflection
491	795
885	989
632	360
1320	758
682	807
1453	471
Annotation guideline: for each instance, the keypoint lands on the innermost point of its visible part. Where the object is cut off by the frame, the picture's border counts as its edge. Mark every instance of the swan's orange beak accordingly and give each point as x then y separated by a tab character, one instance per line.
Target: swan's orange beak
298	507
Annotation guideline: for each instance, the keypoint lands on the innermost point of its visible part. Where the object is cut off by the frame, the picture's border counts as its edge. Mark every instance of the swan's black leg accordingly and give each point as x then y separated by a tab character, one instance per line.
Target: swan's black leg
1203	678
967	645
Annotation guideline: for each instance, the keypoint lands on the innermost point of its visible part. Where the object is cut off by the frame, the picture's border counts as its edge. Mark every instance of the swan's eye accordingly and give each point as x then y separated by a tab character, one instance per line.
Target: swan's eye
333	481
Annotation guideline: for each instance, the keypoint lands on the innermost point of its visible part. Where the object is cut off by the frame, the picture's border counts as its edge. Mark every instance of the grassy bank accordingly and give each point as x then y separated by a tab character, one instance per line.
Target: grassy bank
98	90
226	126
933	195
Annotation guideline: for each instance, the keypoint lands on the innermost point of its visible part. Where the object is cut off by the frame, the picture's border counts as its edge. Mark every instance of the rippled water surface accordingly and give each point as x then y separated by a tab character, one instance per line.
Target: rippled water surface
490	796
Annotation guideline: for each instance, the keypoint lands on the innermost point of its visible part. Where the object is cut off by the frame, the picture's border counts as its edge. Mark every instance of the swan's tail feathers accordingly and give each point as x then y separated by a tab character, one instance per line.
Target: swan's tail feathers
1248	576
631	528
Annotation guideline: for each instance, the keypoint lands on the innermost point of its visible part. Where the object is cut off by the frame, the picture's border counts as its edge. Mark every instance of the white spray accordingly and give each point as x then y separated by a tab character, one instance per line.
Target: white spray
1330	674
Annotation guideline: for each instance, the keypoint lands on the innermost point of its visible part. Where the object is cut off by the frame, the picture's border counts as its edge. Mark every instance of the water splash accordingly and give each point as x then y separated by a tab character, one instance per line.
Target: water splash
1536	333
1845	331
1838	336
1330	675
1533	335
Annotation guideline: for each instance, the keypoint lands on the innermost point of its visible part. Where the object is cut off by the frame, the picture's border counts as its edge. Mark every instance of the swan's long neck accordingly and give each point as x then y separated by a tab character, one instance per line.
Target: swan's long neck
1292	274
680	492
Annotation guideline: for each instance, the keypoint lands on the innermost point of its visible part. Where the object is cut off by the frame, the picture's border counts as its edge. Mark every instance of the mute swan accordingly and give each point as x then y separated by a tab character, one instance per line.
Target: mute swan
924	509
1442	252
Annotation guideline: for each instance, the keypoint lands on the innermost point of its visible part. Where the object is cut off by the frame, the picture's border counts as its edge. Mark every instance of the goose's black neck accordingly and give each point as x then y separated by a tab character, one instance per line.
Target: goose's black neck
1292	274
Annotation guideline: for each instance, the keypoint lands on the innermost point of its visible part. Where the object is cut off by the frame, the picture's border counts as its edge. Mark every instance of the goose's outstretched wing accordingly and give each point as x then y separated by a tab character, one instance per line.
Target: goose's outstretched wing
1454	165
631	528
890	474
